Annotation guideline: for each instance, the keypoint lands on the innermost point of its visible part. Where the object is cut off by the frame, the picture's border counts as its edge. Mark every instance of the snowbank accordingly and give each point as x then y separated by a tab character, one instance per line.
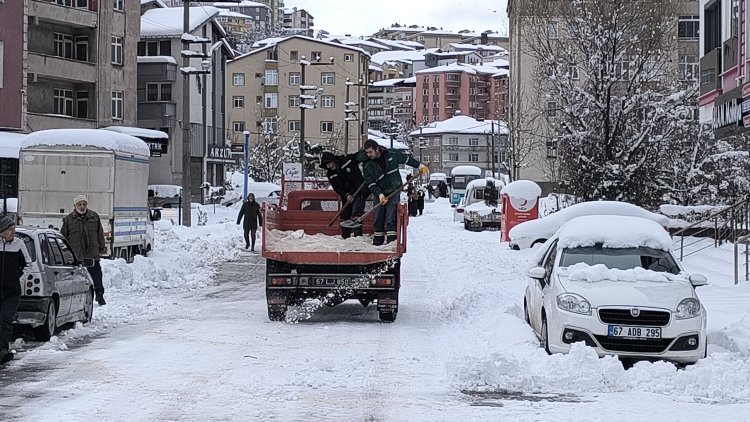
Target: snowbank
613	231
96	138
298	241
600	272
166	191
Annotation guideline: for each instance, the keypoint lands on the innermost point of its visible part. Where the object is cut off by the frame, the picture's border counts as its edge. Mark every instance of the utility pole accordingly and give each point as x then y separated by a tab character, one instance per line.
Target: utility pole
493	148
186	194
302	106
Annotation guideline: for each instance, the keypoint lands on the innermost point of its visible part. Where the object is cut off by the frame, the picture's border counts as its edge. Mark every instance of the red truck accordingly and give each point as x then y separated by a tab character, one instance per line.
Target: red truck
324	266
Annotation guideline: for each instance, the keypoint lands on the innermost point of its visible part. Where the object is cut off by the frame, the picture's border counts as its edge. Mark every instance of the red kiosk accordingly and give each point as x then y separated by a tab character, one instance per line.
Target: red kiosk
520	201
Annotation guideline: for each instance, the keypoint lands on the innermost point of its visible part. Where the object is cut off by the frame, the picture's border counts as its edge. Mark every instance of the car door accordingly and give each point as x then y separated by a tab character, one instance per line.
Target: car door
539	287
61	275
73	276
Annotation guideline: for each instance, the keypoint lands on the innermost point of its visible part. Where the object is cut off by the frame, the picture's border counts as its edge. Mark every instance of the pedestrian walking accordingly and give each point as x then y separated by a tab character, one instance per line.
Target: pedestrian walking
14	259
420	200
382	175
412	195
346	179
250	211
84	231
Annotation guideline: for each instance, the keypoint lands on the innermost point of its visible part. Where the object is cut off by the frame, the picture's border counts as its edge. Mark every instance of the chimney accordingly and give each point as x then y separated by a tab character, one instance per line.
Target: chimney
485	38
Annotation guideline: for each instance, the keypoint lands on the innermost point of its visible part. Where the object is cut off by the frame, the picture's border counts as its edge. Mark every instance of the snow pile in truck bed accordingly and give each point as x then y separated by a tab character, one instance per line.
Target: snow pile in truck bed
298	241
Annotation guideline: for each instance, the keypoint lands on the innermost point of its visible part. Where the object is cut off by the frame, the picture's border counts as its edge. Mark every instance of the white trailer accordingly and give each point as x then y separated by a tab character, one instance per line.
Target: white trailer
110	168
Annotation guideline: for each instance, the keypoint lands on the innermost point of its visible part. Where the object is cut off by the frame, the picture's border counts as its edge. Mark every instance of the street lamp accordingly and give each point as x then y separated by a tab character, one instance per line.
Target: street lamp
303	105
247	158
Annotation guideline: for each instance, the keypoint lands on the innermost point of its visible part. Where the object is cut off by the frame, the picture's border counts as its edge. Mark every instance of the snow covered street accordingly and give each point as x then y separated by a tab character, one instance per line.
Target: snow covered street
185	336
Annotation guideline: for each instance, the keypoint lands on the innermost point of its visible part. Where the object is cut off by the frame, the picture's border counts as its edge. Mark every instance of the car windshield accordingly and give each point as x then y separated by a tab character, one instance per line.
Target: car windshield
460	182
622	259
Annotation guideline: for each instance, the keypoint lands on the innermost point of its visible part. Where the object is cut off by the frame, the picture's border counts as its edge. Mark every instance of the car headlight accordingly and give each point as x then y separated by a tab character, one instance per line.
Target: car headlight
688	308
572	302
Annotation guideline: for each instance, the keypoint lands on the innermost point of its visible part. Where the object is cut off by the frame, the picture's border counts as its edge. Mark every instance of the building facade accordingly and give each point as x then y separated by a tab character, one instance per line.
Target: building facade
160	94
389	105
12	59
299	20
265	88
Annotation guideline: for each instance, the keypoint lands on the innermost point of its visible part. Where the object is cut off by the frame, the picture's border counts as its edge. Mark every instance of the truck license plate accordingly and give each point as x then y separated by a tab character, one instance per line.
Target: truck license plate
331	281
634	332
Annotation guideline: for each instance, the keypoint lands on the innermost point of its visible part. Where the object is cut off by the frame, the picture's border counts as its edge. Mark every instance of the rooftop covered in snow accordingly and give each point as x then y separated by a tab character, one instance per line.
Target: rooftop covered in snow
270	42
462	125
168	22
95	138
242	3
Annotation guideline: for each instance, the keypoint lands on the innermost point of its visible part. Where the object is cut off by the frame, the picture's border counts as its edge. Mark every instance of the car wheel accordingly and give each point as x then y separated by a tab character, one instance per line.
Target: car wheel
45	331
526	313
544	341
88	307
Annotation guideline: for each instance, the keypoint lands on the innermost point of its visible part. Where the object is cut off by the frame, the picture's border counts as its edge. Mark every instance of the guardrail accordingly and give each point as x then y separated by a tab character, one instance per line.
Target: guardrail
746	241
726	225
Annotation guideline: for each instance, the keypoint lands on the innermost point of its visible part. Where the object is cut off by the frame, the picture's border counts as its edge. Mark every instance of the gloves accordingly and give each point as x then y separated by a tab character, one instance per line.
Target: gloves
383	199
423	170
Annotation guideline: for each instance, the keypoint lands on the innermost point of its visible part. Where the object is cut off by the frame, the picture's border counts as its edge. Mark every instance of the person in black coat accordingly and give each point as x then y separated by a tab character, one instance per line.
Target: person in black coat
345	176
14	258
250	211
420	200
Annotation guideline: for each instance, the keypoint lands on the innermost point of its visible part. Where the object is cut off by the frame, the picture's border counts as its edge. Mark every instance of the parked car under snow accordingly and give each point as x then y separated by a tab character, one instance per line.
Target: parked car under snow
614	283
530	233
479	207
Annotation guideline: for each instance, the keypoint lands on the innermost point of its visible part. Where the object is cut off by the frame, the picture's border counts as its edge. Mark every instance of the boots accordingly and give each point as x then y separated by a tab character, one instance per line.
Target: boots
391	238
378	239
100	298
5	356
346	232
357	232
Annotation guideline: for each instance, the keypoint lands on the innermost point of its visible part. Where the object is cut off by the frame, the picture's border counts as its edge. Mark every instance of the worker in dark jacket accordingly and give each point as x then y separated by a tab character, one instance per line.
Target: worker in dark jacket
84	231
346	179
383	177
250	211
14	258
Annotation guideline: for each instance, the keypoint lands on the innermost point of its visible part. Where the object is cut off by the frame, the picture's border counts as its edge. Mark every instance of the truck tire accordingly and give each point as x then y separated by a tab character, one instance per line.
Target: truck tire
277	312
387	316
45	331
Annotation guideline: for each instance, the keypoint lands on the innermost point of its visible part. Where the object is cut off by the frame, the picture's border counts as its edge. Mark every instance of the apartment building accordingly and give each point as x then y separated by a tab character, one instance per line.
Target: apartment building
724	72
435	38
443	91
260	13
299	21
528	113
399	33
160	94
69	63
389	104
486	38
461	140
266	85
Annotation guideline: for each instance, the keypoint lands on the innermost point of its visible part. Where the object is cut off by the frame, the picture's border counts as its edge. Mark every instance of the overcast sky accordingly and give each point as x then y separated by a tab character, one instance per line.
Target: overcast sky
359	17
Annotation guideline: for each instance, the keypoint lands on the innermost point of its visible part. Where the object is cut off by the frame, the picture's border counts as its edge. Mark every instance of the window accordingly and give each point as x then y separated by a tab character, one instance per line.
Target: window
82	104
473	142
329	101
425	92
238	79
63	101
69	258
272	100
119	5
294	78
328	78
453	156
551	108
375	101
552	30
426	80
63	45
436	157
271	125
294	101
688	27
294	125
622	67
56	257
348	57
294	55
436	78
316	55
82	48
712	25
436	91
452	77
116	50
552	148
117	103
238	101
238	127
473	158
272	76
158	92
688	67
453	140
326	127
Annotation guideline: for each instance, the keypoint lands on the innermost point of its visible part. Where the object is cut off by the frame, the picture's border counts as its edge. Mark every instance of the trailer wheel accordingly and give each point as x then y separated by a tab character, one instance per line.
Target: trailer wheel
387	316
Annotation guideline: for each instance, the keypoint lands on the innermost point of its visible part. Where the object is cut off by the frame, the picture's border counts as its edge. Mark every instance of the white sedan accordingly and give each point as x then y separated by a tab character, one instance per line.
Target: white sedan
614	283
530	233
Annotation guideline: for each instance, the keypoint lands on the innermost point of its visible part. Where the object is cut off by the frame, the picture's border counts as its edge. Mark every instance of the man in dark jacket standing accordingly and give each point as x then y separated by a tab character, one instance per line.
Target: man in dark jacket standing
346	178
383	177
84	231
14	259
250	211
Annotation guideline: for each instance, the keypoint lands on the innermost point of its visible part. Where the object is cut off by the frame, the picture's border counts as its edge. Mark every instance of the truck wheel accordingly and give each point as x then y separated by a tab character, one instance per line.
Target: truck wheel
277	312
387	316
45	331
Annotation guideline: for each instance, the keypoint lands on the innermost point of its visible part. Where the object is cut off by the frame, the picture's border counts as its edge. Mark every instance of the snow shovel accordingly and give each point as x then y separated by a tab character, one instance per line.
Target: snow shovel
348	202
349	224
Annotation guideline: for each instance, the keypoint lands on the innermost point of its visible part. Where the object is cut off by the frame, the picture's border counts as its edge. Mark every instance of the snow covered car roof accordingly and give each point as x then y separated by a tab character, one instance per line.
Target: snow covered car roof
613	231
463	170
544	228
97	138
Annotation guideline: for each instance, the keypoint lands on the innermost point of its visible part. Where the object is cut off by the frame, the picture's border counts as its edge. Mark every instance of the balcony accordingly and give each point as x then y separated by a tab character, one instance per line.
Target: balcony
163	113
449	82
62	68
45	10
710	66
39	121
729	52
151	71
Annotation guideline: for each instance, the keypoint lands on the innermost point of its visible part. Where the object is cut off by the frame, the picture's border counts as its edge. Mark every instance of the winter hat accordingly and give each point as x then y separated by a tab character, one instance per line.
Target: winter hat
326	158
80	198
6	223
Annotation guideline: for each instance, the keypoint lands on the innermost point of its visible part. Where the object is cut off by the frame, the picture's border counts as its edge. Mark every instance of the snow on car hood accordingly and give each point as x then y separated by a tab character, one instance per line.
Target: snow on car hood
482	209
602	286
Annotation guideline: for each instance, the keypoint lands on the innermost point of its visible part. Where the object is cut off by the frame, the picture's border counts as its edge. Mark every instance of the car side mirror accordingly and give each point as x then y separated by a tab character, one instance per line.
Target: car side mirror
156	215
698	280
88	262
538	273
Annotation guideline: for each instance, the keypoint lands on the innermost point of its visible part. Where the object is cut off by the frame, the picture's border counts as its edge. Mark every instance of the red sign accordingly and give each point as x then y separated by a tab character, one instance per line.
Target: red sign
516	211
